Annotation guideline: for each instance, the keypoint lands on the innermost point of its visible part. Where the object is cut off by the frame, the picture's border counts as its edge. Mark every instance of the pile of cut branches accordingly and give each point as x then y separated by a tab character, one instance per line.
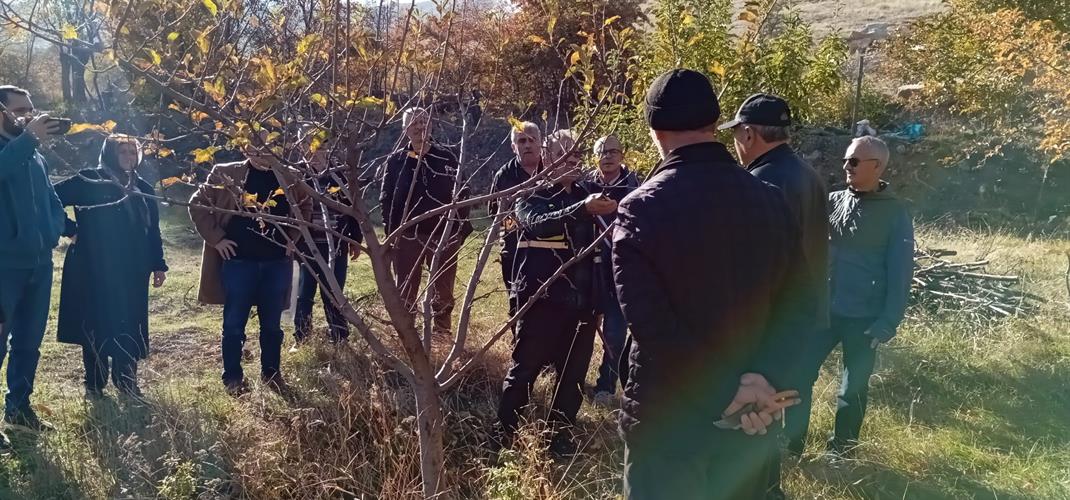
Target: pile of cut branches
966	287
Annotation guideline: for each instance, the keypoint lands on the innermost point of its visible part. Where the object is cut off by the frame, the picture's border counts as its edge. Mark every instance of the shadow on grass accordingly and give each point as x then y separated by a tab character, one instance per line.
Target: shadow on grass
857	479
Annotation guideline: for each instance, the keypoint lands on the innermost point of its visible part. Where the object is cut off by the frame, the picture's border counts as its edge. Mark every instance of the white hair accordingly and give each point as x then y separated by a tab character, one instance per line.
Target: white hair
412	113
600	144
875	146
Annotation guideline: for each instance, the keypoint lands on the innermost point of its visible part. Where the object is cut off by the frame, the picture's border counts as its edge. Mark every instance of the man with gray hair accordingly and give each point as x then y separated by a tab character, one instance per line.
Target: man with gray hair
760	131
419	178
526	141
871	267
554	224
616	181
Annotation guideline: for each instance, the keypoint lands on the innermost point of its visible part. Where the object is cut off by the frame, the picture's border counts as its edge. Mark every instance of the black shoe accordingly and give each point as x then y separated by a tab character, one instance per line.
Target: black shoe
275	382
25	419
562	446
94	394
236	388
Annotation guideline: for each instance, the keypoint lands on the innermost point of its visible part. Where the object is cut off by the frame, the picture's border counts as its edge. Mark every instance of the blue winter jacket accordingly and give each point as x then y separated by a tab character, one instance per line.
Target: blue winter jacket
871	258
31	216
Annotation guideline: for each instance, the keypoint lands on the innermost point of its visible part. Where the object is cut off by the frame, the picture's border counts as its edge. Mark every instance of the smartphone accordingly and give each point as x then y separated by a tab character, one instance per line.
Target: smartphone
63	127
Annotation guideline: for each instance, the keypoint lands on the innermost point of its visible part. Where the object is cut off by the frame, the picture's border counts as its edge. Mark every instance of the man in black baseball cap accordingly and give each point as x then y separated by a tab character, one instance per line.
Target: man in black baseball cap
700	253
761	134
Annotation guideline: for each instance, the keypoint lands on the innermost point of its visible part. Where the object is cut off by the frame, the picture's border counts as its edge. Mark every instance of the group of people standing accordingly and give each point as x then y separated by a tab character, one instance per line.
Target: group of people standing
717	291
115	253
733	285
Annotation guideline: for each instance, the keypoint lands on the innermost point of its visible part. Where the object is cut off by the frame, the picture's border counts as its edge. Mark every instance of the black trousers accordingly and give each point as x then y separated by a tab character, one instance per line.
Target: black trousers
548	335
711	465
859	358
123	370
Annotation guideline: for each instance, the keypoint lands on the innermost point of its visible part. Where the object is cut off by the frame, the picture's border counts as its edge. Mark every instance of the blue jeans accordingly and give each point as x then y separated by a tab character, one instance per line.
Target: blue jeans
248	283
306	294
614	332
24	299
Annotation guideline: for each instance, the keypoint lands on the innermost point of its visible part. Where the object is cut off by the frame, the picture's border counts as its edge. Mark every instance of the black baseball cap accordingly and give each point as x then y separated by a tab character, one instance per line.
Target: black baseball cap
762	109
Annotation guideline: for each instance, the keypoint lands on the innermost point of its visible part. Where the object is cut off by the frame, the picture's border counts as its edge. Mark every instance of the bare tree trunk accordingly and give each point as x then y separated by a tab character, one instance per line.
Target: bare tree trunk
430	422
65	73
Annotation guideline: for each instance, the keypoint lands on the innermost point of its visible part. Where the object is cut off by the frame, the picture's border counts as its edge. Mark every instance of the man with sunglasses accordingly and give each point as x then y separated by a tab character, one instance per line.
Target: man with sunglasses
871	254
31	220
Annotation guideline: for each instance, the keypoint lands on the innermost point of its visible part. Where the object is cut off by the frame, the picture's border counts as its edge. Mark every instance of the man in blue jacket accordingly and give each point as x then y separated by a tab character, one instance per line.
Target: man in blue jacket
871	252
31	221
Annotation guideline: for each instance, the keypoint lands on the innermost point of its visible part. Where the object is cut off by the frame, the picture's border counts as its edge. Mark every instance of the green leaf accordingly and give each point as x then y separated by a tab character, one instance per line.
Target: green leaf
211	6
318	99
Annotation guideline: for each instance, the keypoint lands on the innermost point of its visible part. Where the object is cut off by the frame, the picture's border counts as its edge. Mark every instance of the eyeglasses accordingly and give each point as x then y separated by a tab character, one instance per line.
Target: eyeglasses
854	162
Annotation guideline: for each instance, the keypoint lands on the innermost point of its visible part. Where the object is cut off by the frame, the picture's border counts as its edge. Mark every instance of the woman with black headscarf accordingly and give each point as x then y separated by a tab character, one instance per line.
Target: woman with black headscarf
115	250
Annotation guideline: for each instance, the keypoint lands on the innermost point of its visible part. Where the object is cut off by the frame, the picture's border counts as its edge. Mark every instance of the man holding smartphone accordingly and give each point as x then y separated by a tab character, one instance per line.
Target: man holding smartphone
31	220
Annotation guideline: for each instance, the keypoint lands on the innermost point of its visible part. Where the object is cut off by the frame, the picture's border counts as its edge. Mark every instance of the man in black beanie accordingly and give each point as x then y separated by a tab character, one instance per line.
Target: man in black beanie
701	253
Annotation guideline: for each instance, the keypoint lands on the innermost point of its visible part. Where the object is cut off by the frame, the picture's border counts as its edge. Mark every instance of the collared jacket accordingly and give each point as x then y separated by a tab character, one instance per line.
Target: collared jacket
222	190
510	175
31	215
413	185
871	257
554	226
621	187
807	198
701	253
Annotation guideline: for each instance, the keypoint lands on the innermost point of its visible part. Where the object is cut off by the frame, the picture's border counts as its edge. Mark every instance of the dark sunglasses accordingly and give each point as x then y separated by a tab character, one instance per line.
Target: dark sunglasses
854	162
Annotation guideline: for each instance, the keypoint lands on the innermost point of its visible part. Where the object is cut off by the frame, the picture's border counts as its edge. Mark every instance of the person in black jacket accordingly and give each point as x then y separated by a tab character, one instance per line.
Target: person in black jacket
616	181
701	253
555	224
761	135
526	140
116	251
419	178
328	179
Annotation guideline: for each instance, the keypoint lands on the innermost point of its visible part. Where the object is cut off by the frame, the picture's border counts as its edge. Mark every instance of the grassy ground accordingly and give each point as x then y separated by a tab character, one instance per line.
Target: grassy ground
959	410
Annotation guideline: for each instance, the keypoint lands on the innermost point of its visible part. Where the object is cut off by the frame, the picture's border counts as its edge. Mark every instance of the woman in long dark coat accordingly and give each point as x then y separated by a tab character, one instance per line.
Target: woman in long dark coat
115	250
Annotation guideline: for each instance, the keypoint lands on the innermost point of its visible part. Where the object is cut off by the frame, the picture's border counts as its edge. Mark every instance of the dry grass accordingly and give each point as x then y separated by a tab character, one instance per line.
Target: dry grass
958	411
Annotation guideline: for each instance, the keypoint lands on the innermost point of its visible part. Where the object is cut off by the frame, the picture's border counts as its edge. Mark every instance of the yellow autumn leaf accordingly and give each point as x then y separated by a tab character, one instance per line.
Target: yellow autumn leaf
109	125
170	181
202	42
318	99
174	106
610	21
248	200
82	127
306	43
333	189
69	33
155	56
172	36
271	204
537	39
278	192
211	6
517	124
748	16
717	69
164	152
204	155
